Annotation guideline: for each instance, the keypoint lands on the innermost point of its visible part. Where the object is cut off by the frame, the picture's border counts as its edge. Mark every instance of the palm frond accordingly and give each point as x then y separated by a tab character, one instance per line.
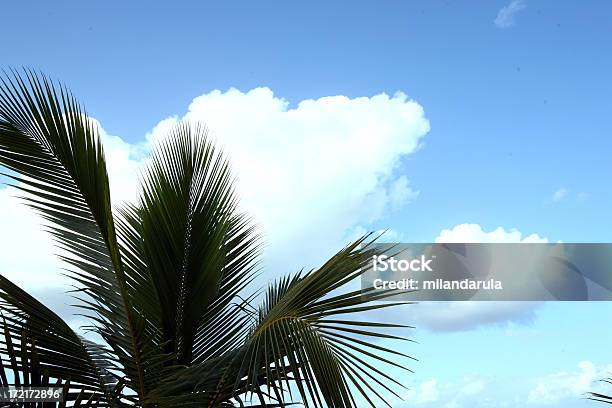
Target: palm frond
299	332
299	341
47	139
227	319
198	252
42	349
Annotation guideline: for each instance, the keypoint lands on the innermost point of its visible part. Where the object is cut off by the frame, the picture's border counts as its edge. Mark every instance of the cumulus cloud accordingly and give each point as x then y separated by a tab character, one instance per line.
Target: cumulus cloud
475	233
310	175
462	316
466	315
506	17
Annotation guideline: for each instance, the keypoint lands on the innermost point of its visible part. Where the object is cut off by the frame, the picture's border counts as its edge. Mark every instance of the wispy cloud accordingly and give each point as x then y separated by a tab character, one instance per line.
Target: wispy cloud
564	389
564	193
506	16
582	196
563	386
560	194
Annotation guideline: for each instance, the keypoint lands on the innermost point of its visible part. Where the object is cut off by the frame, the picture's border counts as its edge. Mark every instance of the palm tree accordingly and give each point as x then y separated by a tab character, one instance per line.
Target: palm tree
163	281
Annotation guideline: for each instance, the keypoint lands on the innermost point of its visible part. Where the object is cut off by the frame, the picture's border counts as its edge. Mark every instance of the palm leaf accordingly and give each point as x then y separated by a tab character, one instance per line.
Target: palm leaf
42	350
199	254
297	341
329	356
48	139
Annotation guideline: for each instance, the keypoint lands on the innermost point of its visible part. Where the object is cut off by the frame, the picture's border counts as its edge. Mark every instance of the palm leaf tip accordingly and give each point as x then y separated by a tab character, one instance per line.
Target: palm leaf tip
200	252
599	397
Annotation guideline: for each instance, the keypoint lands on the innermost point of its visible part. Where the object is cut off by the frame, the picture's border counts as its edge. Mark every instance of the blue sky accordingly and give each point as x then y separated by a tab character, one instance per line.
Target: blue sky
518	110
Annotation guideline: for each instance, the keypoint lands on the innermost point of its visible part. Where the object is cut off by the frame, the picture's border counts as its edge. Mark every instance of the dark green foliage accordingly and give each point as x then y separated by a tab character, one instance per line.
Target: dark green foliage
165	281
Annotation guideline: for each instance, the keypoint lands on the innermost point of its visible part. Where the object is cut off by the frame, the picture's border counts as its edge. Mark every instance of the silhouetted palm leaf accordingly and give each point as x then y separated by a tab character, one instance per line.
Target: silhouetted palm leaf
166	280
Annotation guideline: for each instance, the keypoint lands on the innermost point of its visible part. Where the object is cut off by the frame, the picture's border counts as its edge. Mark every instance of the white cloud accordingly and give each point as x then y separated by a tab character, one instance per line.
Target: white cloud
427	391
442	316
28	252
475	233
507	15
560	194
561	389
470	315
473	387
122	164
467	315
461	316
564	385
563	193
309	175
401	193
452	394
